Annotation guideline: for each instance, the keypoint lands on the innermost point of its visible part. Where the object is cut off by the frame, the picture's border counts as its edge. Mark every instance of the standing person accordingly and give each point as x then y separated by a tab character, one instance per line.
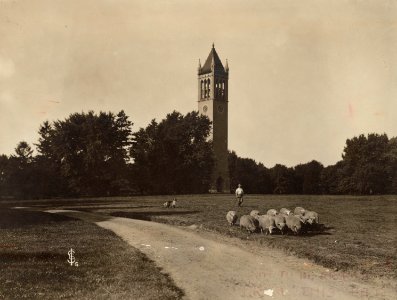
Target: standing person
239	195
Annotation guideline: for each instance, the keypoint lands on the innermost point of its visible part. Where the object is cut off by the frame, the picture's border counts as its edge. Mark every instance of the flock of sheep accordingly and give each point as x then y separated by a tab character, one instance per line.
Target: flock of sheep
298	221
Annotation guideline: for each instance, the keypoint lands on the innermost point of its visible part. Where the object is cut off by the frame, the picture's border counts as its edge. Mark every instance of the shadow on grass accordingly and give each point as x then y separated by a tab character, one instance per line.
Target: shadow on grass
17	256
147	216
320	229
14	218
94	207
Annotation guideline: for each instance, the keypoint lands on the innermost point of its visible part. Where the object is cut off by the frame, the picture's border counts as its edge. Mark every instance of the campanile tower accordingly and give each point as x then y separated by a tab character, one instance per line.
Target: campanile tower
213	80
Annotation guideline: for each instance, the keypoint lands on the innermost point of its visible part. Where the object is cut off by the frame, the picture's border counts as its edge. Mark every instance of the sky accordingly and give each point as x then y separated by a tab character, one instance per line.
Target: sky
304	75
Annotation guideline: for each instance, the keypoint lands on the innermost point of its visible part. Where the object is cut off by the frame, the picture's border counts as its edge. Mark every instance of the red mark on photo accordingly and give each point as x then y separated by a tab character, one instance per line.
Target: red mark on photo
7	246
351	111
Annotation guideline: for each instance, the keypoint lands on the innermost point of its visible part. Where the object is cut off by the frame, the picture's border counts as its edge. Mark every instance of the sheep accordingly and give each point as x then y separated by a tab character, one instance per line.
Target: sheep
231	217
272	212
279	221
294	223
283	215
285	211
311	221
248	222
173	203
303	218
299	211
254	213
266	224
167	204
311	217
304	222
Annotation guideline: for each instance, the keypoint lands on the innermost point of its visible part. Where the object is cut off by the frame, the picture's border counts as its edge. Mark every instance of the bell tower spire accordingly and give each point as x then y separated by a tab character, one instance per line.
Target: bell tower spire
213	102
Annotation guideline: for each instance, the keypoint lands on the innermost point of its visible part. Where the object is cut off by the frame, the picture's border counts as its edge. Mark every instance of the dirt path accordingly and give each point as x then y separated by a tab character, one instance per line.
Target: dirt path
210	266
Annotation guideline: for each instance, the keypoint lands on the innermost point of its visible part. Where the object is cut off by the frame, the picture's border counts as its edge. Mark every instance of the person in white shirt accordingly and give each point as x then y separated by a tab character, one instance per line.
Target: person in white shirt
239	195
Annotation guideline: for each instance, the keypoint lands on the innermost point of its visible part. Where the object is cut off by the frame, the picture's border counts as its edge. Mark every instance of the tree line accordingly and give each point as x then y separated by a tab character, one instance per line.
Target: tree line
90	154
368	166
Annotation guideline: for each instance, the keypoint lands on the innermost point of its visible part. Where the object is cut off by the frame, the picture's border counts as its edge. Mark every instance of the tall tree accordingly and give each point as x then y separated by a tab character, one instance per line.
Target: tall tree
20	171
89	150
331	177
365	162
283	179
24	153
50	182
174	156
307	177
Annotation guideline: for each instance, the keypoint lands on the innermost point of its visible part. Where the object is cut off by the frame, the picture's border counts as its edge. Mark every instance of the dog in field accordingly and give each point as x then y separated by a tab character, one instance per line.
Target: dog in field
170	203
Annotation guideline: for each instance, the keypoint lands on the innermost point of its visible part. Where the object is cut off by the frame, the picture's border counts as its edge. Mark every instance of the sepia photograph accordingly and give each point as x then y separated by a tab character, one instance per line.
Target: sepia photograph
181	149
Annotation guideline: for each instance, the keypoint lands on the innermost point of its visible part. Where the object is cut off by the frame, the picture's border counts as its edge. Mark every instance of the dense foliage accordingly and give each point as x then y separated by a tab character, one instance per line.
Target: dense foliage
173	156
368	166
90	154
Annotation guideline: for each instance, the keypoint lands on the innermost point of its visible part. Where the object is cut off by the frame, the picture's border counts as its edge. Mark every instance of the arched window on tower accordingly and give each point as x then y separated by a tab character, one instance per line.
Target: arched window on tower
201	89
209	88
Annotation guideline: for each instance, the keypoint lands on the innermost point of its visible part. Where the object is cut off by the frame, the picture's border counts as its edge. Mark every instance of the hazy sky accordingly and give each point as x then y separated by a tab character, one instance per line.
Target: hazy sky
304	75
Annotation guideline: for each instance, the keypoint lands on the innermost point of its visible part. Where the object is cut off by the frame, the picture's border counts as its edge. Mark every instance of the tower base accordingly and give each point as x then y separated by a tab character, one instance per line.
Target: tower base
220	186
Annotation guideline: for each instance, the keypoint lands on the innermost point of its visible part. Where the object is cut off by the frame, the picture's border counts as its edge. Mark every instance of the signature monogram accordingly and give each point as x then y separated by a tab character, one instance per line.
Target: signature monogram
72	259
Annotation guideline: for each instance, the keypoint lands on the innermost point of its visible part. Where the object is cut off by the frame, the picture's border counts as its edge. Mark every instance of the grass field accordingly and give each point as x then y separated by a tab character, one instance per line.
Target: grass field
34	252
358	236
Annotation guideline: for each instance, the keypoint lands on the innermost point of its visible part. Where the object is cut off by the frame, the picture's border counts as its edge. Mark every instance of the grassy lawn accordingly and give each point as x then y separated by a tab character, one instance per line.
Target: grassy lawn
359	235
33	258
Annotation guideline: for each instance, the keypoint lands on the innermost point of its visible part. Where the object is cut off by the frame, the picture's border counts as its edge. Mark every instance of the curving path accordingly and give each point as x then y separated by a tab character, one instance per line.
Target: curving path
210	266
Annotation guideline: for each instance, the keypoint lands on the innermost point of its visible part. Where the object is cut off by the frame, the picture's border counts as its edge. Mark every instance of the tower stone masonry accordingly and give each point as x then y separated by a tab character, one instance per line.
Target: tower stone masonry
213	80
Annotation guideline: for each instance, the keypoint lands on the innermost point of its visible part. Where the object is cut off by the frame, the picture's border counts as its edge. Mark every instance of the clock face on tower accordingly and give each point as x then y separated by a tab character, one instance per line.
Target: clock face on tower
220	108
205	108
